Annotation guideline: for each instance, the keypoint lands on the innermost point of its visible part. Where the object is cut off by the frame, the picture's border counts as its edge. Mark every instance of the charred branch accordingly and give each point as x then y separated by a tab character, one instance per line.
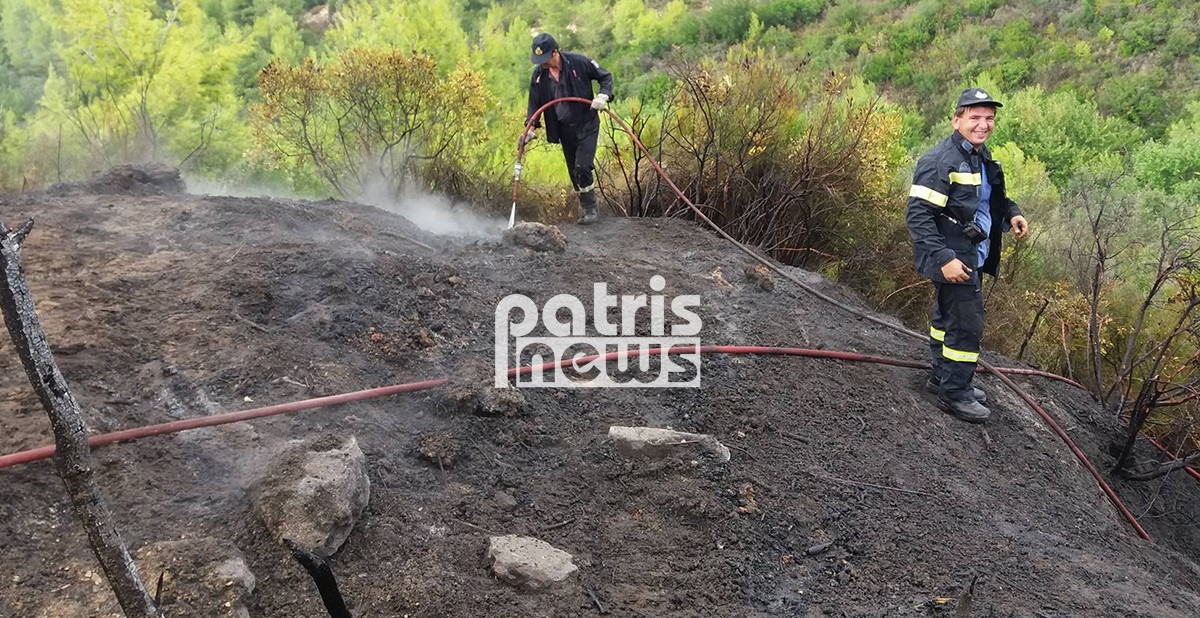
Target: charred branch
318	568
1037	317
1147	473
73	455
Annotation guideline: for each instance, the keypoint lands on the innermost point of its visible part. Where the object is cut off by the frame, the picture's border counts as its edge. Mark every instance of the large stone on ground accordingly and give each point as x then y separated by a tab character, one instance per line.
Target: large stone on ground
313	497
202	578
651	442
536	236
529	563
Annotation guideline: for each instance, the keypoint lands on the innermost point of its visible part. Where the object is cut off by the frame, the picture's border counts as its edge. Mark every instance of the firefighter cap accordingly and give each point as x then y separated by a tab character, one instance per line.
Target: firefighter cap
976	96
543	46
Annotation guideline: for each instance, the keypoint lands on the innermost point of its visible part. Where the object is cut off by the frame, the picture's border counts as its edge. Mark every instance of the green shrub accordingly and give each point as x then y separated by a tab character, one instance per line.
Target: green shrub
728	20
789	12
1142	34
910	38
1138	97
780	39
981	9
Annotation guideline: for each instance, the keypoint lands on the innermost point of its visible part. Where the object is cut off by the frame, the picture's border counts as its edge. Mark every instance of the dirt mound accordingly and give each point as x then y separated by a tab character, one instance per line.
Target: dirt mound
152	178
847	494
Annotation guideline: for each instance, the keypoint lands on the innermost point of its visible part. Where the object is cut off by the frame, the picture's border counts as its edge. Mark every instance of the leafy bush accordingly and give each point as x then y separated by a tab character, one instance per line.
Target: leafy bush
981	8
779	38
1061	130
1181	40
789	12
847	16
373	116
910	37
1173	165
1016	40
1137	97
1142	34
728	20
801	175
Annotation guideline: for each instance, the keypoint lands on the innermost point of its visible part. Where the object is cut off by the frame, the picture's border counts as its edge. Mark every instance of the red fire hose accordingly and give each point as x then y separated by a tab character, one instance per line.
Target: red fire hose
127	435
233	417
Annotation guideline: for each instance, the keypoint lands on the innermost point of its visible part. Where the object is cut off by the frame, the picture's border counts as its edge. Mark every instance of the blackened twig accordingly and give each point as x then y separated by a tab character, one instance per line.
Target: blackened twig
318	568
559	525
599	606
158	588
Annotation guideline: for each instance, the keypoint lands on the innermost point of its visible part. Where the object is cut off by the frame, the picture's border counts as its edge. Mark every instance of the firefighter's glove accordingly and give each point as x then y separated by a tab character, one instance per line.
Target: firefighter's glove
529	136
600	102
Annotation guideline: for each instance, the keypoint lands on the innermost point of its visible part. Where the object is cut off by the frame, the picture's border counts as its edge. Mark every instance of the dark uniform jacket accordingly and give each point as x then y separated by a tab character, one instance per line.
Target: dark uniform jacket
575	80
945	195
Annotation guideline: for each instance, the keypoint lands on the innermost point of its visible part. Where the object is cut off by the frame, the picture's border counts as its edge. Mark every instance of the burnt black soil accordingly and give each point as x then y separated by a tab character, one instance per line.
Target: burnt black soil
848	494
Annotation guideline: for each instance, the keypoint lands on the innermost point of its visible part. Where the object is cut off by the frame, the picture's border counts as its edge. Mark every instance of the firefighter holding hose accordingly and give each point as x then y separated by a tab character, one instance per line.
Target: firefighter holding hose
575	125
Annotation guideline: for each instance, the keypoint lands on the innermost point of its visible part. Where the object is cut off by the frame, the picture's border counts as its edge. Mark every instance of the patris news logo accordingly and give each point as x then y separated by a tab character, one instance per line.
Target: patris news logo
563	343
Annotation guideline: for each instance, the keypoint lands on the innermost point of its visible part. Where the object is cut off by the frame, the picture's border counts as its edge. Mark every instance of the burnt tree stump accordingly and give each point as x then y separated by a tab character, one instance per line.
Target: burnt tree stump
72	454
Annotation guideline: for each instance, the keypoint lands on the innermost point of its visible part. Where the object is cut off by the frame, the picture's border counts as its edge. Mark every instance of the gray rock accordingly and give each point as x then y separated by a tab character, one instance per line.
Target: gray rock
818	548
313	497
529	563
319	19
536	236
654	442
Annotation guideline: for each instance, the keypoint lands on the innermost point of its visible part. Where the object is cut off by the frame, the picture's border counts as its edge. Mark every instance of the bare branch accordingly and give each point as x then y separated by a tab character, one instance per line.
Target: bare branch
73	456
1162	469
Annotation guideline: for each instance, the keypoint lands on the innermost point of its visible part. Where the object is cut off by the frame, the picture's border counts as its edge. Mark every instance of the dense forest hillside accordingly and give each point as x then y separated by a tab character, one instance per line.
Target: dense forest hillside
805	114
87	78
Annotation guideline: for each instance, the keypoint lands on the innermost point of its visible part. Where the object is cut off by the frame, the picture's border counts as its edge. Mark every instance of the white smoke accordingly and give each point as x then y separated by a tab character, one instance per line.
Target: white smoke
436	214
199	185
433	213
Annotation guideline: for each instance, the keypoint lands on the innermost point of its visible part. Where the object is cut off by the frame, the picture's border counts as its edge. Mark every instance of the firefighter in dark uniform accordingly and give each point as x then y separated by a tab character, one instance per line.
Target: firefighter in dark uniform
957	211
575	125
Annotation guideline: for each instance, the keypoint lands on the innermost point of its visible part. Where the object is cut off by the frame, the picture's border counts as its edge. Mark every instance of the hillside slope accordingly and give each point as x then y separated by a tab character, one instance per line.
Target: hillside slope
162	306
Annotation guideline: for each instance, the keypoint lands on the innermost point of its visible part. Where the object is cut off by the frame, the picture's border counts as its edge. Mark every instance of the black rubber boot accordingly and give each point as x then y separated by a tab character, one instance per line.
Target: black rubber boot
587	200
933	388
967	410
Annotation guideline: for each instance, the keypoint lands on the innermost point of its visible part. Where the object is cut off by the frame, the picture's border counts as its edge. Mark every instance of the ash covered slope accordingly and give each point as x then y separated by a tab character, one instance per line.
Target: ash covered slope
847	493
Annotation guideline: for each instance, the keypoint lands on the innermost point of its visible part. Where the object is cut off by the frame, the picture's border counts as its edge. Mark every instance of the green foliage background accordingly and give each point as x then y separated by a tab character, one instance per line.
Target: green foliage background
1101	107
89	84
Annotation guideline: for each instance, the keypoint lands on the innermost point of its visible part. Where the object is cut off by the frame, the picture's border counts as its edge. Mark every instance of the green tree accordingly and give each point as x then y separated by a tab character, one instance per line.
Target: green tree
1173	164
579	25
503	57
274	36
27	45
1062	130
1028	184
627	15
429	27
1138	97
139	81
728	20
372	117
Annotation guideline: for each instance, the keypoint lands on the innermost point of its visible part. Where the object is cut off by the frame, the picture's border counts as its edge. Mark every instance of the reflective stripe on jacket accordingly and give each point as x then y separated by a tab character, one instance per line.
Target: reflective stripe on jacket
946	186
